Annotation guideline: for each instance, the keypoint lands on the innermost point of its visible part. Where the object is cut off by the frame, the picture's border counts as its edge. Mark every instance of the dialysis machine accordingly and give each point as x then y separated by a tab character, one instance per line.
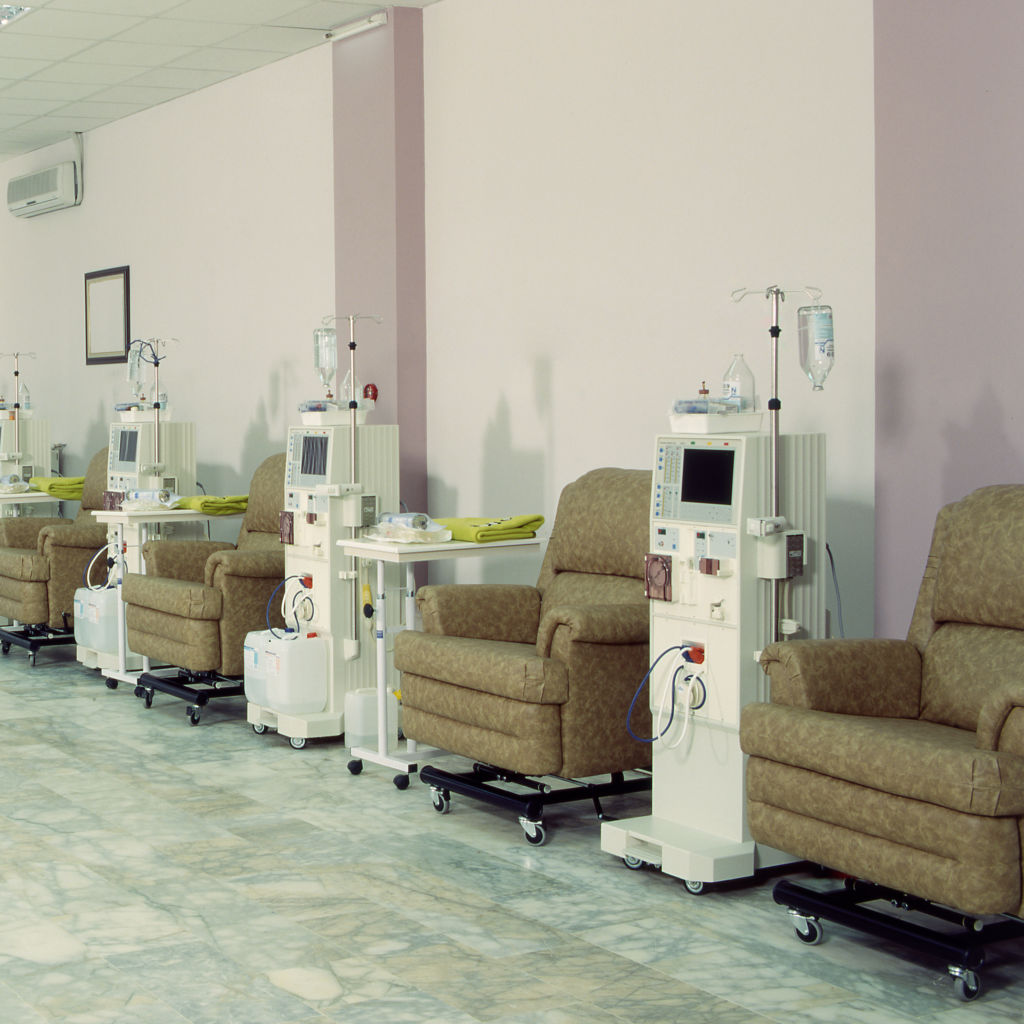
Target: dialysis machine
340	475
151	460
24	441
723	580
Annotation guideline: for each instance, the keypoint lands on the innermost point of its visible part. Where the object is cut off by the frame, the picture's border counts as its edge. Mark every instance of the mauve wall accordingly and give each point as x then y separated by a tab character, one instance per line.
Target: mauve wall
949	96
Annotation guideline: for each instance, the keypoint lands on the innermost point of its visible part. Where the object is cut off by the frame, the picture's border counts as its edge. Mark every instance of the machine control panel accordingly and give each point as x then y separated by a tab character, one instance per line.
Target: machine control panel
694	479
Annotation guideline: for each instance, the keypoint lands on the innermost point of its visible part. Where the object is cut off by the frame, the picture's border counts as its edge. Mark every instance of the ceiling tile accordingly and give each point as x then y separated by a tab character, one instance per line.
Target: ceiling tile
62	92
19	105
40	47
180	32
246	12
143	55
59	123
71	24
11	120
137	94
107	111
135	8
14	69
95	74
272	39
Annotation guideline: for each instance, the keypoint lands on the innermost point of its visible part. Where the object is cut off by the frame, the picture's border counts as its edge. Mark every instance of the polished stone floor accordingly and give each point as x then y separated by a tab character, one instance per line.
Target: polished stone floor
152	872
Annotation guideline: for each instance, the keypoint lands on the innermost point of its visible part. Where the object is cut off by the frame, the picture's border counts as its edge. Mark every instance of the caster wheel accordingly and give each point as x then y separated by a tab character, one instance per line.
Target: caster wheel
695	888
355	767
809	931
401	781
441	799
148	700
966	985
32	659
259	728
633	863
297	742
534	832
139	691
5	648
193	713
111	684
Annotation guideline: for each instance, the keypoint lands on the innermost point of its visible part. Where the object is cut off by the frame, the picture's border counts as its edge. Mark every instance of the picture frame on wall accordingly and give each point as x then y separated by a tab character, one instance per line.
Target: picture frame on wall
107	321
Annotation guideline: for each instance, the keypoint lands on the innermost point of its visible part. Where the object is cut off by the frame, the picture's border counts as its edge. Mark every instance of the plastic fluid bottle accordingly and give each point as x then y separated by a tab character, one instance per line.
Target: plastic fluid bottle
817	342
738	384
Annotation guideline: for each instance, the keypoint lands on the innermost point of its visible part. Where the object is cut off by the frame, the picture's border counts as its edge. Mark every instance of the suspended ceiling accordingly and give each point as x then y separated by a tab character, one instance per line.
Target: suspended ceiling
73	65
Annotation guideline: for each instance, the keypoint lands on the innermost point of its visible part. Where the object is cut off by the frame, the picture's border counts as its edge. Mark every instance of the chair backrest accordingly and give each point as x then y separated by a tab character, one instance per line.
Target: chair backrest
93	486
261	527
969	619
598	540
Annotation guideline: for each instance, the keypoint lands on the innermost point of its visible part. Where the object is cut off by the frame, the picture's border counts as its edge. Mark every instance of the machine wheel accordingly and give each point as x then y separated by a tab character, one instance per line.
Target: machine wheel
148	699
633	863
355	767
966	985
259	728
111	684
193	713
32	659
297	742
809	931
139	691
534	832
401	781
695	888
5	648
441	799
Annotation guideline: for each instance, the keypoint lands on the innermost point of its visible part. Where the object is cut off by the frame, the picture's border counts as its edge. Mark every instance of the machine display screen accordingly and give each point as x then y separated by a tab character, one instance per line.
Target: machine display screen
127	446
707	476
313	460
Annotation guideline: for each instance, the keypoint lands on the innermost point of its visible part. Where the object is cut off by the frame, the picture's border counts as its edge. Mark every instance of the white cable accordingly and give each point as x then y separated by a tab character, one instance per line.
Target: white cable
692	681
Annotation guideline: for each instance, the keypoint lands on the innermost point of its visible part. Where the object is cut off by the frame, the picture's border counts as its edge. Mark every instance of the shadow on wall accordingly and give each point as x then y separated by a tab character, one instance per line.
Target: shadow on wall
853	572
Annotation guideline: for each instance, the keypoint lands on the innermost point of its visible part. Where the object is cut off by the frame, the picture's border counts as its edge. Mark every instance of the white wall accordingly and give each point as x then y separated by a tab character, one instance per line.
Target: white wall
221	204
598	183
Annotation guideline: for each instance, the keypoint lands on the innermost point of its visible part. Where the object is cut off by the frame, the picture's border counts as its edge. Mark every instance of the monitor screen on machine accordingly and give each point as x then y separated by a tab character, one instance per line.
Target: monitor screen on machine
695	480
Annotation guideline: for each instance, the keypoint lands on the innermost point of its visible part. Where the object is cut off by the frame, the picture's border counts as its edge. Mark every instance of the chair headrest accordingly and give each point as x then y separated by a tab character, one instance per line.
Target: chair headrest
266	496
981	569
95	481
601	525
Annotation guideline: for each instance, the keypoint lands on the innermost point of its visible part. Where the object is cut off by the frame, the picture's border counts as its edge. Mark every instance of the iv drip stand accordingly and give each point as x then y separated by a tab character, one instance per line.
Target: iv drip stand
776	295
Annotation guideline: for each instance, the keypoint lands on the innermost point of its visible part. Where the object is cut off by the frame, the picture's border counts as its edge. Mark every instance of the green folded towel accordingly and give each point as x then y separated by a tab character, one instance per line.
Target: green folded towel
66	488
210	505
480	530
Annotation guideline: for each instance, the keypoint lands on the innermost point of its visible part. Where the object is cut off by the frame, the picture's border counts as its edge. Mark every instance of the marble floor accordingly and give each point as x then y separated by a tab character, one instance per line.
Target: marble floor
157	873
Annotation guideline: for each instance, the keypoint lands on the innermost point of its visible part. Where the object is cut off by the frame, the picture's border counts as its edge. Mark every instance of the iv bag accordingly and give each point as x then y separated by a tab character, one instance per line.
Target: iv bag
817	344
134	372
325	355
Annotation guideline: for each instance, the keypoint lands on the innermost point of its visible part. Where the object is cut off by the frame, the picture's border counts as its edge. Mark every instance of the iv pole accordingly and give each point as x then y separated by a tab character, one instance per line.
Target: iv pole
775	295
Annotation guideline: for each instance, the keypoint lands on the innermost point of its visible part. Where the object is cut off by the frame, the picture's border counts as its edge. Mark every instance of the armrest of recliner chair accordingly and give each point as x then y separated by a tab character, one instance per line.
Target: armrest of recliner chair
596	624
1001	720
73	535
871	676
181	559
256	563
481	611
23	531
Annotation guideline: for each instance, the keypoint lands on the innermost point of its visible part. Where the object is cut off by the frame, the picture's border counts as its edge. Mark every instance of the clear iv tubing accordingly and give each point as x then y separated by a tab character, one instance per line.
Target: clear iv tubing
671	689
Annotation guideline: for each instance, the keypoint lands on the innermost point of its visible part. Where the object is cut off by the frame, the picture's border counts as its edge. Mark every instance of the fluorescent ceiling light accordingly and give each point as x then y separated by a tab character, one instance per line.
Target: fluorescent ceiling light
11	12
352	28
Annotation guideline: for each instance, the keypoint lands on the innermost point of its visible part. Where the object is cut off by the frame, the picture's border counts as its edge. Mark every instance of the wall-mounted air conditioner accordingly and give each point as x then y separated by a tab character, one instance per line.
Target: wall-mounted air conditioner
54	188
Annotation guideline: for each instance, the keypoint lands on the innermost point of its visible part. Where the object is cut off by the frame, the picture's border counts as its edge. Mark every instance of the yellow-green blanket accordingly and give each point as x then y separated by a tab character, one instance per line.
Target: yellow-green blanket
65	488
480	530
213	506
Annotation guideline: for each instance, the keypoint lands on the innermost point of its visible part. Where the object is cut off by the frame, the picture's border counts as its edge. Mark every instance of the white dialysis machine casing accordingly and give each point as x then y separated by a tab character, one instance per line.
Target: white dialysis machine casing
714	560
322	592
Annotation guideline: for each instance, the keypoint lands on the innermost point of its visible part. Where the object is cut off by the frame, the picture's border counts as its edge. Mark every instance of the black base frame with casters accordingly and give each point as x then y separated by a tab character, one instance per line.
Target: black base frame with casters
33	638
484	782
198	688
961	943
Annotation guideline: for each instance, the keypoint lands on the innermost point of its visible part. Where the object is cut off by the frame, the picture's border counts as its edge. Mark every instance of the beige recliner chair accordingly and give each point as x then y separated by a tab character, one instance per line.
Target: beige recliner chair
537	681
901	762
42	564
198	599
